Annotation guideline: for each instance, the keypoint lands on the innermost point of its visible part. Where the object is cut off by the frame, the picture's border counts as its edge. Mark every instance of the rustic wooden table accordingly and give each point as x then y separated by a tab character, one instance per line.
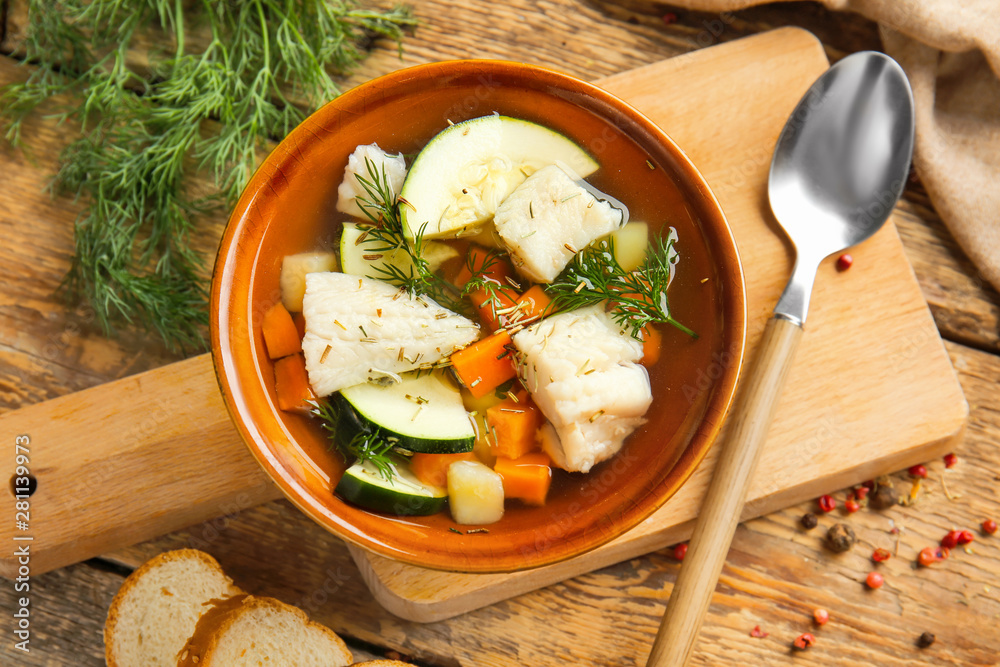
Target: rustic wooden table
776	573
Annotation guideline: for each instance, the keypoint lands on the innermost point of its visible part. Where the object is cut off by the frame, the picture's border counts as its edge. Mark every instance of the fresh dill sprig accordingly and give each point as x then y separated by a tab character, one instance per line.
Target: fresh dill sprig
144	131
637	298
368	445
385	234
492	292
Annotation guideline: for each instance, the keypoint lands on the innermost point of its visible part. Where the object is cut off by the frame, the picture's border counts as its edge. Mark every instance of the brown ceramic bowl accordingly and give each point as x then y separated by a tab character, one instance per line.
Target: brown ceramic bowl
289	207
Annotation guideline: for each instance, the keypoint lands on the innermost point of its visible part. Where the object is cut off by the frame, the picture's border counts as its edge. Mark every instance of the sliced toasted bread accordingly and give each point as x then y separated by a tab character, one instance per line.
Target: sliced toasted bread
247	630
158	606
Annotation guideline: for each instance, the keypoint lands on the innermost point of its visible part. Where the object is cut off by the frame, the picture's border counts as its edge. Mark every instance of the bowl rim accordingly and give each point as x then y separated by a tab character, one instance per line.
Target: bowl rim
701	441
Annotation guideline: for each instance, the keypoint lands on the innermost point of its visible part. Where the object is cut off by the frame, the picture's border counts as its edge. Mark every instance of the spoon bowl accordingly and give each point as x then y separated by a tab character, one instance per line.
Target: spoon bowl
840	164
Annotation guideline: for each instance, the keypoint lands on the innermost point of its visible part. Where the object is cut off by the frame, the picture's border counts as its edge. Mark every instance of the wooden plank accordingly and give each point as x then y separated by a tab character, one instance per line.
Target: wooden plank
883	405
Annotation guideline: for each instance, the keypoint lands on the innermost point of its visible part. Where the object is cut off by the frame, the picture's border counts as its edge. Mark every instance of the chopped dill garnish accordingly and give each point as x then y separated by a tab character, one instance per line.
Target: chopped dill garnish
365	445
494	294
637	298
385	235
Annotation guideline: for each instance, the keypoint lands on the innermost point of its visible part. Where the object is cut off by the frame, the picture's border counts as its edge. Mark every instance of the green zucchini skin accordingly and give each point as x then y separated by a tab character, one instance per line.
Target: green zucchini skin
359	413
404	495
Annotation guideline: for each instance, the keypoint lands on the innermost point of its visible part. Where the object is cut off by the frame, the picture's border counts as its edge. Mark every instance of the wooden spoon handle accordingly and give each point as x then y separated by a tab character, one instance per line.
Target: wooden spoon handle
127	461
721	508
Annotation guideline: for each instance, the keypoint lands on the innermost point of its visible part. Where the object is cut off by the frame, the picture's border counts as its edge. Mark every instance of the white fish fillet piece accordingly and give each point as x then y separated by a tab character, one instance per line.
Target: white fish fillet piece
373	331
580	369
548	219
393	165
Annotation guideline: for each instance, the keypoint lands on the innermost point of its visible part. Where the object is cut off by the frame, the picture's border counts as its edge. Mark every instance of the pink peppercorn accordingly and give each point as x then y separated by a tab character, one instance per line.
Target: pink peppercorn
918	471
874	580
965	537
930	555
881	555
844	262
804	641
989	527
851	505
950	540
861	492
950	460
680	551
821	616
827	503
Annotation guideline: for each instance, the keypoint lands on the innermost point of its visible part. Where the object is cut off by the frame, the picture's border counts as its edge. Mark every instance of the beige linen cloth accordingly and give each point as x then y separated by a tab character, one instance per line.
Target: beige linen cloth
950	49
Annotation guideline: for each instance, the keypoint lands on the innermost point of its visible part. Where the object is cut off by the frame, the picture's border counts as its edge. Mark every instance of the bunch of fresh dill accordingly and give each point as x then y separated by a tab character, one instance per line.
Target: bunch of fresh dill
264	65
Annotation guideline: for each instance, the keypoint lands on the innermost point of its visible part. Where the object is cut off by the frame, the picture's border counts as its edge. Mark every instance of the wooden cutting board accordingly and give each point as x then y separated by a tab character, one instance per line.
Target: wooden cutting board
872	391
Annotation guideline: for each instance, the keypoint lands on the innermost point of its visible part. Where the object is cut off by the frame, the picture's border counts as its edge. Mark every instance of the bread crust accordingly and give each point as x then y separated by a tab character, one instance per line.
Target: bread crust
114	611
224	614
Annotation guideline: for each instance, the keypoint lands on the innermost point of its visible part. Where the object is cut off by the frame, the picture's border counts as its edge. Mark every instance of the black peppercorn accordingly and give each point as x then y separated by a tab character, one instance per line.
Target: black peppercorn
926	639
883	498
840	538
809	521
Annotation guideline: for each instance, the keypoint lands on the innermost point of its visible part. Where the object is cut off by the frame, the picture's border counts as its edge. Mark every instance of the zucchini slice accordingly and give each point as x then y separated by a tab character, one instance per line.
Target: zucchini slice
362	255
363	485
423	413
460	177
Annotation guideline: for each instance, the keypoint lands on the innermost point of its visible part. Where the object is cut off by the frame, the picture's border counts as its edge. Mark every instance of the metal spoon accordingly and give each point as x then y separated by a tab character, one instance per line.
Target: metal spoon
838	169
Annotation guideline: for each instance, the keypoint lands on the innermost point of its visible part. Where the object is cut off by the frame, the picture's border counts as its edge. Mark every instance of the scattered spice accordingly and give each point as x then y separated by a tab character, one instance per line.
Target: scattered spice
680	551
966	537
809	521
844	262
926	639
930	555
821	616
874	580
918	471
454	530
949	462
851	505
989	526
881	555
758	633
670	18
804	641
950	540
840	538
861	492
884	497
827	503
474	531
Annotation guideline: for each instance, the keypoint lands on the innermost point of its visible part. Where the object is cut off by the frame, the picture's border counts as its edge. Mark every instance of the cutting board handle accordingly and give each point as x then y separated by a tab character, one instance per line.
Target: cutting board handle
125	462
